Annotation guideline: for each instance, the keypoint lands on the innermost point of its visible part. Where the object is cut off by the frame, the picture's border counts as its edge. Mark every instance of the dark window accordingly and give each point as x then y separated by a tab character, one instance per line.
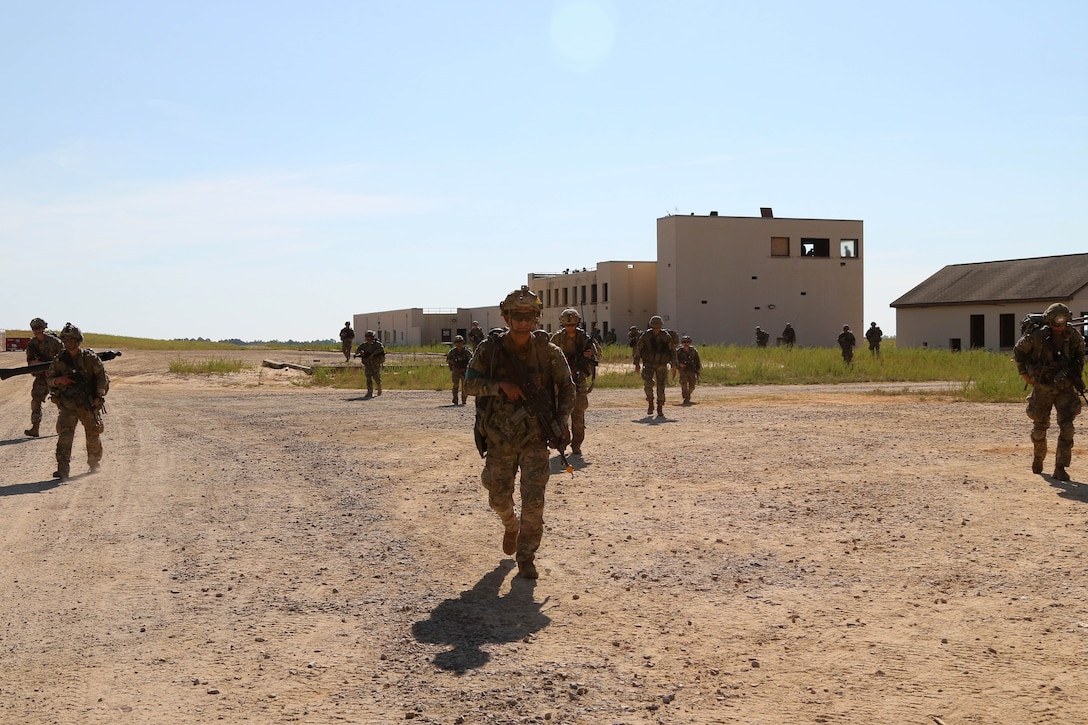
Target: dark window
604	289
593	294
811	247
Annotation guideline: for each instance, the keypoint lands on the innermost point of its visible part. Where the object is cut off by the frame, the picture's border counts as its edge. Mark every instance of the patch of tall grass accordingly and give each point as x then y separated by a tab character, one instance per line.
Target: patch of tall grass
214	366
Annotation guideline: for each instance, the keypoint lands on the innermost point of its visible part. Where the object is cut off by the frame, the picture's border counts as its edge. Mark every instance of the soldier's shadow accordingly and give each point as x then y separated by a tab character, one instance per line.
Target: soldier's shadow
478	617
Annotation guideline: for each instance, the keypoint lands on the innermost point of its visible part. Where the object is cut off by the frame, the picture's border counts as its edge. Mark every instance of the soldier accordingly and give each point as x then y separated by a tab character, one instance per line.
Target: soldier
789	335
78	384
655	350
43	347
687	359
632	337
847	341
1050	358
457	360
371	353
874	335
762	336
506	370
347	337
475	335
583	354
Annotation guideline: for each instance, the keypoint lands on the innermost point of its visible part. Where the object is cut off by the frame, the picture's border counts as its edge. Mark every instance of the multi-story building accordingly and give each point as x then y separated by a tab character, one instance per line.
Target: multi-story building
715	279
719	277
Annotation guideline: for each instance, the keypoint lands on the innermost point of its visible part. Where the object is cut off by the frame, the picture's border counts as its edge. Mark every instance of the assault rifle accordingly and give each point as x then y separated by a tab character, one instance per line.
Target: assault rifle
42	367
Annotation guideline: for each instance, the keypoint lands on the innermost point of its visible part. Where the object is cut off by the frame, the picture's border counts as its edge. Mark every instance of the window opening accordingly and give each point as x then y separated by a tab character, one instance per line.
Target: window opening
812	247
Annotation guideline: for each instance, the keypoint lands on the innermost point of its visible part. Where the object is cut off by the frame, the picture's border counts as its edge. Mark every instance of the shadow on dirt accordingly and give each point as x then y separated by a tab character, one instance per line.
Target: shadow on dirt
480	617
18	489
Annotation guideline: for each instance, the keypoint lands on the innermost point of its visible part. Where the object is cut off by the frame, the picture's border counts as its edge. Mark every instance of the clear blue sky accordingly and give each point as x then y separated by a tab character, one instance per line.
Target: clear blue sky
262	169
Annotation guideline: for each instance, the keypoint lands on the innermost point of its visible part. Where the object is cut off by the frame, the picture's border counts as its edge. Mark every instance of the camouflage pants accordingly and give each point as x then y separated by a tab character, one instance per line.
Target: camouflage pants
688	381
848	354
649	374
345	347
578	416
38	393
67	420
1067	403
458	378
500	470
373	376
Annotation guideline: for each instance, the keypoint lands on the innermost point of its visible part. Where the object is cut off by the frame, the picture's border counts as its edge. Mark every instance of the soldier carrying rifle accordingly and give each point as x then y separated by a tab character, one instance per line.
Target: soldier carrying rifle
78	384
524	398
43	347
1050	358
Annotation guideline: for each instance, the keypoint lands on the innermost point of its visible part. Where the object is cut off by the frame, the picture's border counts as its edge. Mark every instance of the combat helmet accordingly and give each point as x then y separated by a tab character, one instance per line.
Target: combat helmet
38	324
1057	314
569	316
656	322
71	332
458	338
685	338
522	300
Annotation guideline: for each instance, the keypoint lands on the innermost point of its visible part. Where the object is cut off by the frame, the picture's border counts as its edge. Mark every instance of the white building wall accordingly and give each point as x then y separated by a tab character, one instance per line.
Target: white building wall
940	327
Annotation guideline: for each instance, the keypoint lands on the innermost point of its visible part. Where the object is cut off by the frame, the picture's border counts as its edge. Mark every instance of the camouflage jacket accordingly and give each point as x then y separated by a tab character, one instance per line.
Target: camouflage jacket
689	357
43	351
347	335
371	352
574	350
655	349
847	340
1039	355
89	377
508	425
475	336
458	359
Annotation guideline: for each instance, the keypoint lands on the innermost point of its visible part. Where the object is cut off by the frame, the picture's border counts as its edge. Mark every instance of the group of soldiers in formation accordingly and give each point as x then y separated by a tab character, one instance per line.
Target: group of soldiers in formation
846	339
532	391
76	381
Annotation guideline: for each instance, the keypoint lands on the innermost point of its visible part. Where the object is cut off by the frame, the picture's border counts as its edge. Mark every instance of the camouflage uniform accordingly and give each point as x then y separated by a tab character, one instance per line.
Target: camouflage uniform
39	351
457	360
874	335
372	354
582	372
762	336
347	337
655	351
1052	367
475	335
511	437
789	335
847	341
75	403
687	359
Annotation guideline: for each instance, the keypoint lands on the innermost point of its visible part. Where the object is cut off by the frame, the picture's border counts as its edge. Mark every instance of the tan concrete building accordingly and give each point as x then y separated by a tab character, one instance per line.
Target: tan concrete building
719	277
615	295
980	305
418	326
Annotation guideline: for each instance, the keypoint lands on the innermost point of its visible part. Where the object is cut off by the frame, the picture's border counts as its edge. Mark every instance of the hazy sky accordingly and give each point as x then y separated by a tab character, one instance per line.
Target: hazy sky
266	169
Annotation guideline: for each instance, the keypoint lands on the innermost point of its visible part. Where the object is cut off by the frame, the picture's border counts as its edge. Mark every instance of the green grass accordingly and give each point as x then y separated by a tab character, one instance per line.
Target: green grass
215	366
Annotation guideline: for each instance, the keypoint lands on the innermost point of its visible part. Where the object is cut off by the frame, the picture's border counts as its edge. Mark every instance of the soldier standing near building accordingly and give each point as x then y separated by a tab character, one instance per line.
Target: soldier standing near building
762	336
874	335
512	373
632	337
655	350
371	353
78	384
1050	358
847	341
583	354
789	335
457	360
687	359
43	347
475	335
347	338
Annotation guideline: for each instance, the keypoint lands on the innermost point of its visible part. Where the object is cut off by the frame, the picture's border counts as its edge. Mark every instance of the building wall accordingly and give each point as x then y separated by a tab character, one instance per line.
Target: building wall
717	278
615	295
950	326
417	326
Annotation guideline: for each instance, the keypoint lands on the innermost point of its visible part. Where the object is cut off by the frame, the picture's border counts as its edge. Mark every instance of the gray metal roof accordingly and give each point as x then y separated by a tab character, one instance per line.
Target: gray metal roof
1011	280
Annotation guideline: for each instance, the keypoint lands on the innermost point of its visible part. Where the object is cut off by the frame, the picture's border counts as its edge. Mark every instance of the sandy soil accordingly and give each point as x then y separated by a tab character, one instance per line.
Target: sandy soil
259	551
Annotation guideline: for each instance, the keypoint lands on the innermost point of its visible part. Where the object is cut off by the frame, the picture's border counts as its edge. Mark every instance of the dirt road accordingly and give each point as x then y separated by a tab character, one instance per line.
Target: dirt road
259	551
